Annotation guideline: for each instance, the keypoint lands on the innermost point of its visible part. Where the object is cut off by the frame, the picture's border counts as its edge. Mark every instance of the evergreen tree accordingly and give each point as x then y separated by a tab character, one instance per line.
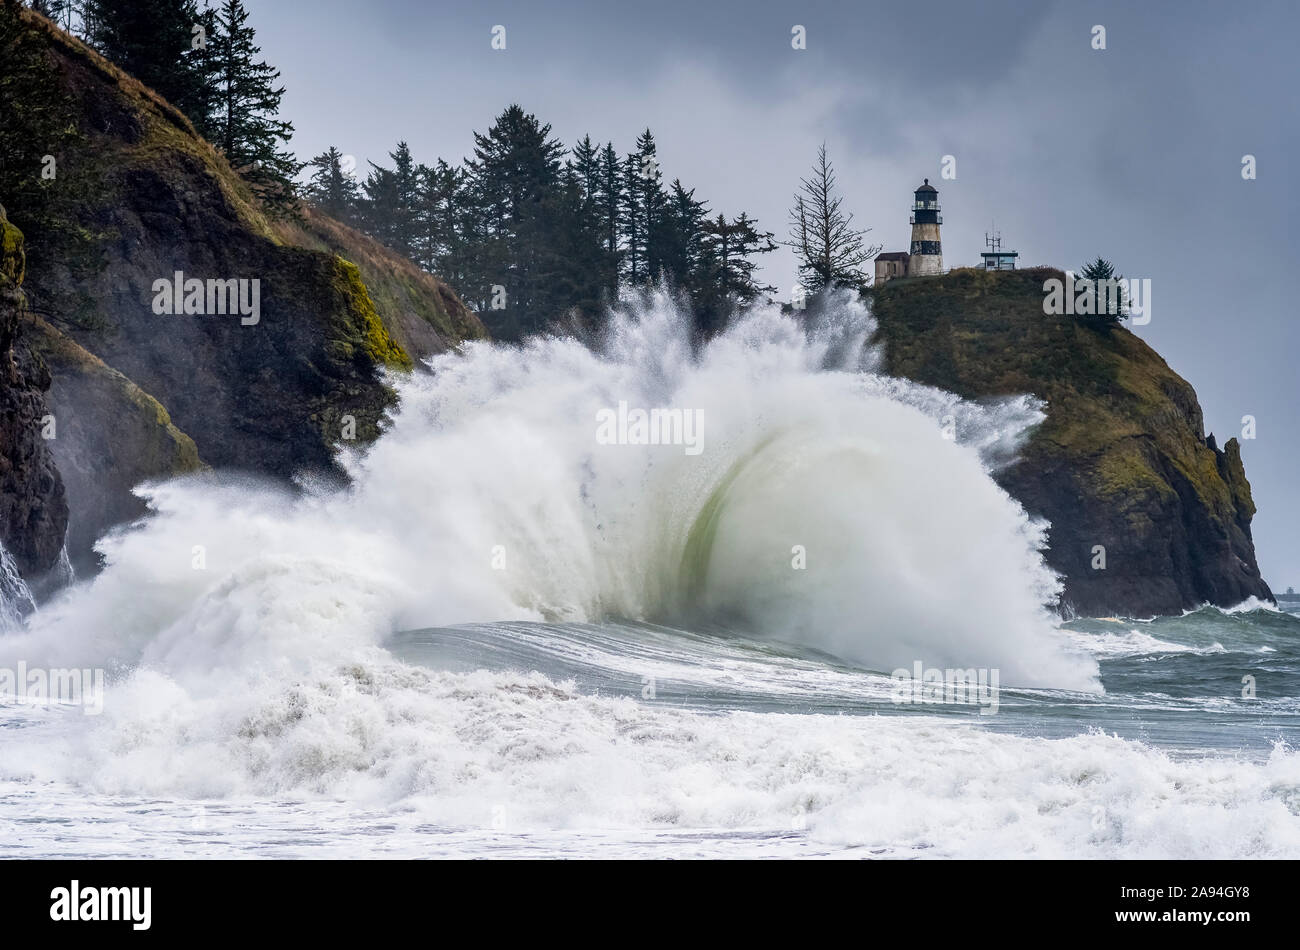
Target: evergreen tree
445	210
380	205
34	123
1099	272
515	177
608	206
729	250
643	208
591	225
830	250
245	123
679	238
586	172
331	189
585	268
520	225
155	41
393	198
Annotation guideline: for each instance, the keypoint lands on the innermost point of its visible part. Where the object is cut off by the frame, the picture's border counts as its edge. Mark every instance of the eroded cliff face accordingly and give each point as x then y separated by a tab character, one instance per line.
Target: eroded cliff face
111	437
137	197
33	508
1122	465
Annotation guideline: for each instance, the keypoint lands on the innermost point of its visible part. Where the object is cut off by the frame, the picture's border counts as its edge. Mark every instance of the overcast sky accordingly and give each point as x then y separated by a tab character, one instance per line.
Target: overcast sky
1133	152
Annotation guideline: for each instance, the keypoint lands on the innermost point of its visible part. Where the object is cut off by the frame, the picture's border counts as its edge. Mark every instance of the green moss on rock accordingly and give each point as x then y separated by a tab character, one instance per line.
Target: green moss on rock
13	263
364	330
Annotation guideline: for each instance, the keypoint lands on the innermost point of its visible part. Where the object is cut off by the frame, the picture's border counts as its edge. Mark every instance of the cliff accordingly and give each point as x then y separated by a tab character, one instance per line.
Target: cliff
133	197
421	313
33	508
1122	460
108	428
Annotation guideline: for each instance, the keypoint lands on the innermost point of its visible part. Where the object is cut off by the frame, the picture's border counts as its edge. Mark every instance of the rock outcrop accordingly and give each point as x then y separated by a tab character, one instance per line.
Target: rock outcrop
421	313
1121	467
33	508
135	197
110	436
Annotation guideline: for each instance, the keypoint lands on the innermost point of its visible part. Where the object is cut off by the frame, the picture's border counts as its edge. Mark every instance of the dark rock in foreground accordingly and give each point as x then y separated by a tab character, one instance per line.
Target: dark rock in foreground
33	509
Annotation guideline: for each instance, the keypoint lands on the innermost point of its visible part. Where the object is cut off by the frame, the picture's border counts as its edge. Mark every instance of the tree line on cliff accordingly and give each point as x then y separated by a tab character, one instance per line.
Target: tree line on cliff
205	62
528	232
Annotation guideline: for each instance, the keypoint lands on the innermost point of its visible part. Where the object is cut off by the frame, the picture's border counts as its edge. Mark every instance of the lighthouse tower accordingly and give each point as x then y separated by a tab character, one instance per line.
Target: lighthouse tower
927	256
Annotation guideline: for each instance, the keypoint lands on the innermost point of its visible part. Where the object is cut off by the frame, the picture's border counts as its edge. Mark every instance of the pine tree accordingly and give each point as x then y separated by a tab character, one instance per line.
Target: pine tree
643	207
444	209
679	238
590	222
586	171
245	123
331	189
830	250
515	177
608	207
393	202
155	41
520	224
727	279
380	205
429	243
1099	272
584	266
34	111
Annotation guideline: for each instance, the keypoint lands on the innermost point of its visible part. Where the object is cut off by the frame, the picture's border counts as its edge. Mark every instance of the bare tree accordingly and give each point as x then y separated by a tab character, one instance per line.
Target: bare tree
830	249
62	13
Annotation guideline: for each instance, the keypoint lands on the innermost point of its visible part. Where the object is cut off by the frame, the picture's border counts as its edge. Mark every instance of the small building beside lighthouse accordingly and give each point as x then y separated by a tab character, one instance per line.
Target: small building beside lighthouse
890	264
926	256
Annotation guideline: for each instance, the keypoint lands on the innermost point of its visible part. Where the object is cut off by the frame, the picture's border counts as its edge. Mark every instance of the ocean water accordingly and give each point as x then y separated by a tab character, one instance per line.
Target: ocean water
509	638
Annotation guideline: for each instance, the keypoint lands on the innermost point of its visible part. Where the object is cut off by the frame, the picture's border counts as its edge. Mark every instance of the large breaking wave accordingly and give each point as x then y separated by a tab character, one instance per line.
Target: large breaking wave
249	630
826	507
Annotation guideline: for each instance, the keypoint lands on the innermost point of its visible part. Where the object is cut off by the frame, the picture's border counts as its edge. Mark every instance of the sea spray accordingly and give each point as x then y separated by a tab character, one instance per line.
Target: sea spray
262	664
912	551
15	598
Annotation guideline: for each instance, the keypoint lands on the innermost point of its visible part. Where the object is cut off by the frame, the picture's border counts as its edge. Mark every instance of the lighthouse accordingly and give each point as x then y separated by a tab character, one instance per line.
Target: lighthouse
926	257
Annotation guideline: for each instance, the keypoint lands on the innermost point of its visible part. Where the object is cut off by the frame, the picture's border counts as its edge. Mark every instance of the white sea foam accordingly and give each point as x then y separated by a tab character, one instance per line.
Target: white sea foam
1135	643
1248	605
515	754
15	598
